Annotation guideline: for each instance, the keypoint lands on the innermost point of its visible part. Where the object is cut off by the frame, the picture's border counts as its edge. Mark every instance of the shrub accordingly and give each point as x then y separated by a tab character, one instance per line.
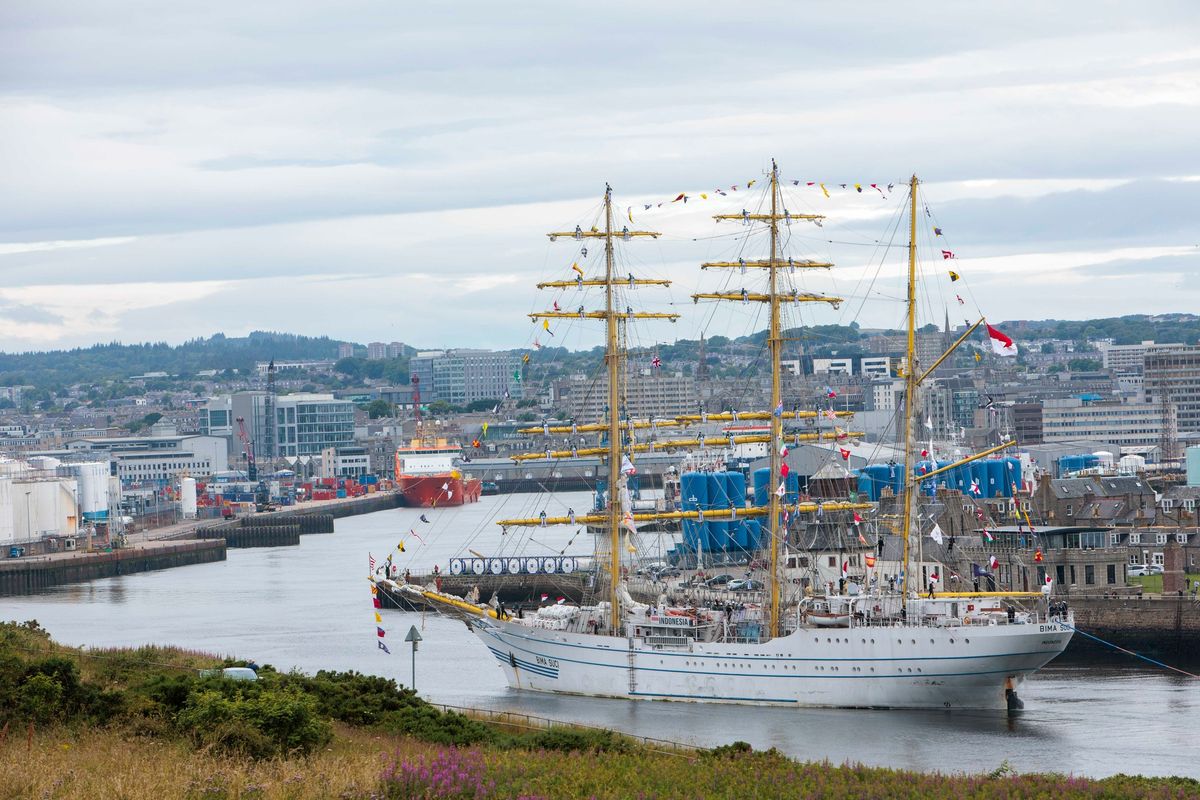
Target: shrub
268	723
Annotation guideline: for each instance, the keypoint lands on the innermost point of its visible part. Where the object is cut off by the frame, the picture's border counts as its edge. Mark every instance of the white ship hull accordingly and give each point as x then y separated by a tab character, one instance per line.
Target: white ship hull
859	667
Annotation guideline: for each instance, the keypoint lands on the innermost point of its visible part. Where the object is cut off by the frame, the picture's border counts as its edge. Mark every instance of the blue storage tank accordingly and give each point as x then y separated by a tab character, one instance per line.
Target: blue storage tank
977	474
994	468
1012	475
718	498
924	467
741	533
693	491
735	486
754	534
871	480
792	489
761	491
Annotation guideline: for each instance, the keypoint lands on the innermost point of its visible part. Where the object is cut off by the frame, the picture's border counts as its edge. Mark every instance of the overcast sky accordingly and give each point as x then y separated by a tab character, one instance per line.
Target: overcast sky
387	170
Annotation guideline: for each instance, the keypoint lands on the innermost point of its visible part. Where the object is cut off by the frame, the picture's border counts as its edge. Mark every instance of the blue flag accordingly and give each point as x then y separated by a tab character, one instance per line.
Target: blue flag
384	648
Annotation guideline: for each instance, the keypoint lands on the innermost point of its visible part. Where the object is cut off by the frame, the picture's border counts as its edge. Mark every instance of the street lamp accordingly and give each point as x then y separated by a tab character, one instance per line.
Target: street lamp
413	636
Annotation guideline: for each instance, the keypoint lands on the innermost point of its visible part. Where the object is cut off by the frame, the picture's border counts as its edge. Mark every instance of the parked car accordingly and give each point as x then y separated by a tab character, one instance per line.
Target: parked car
746	585
668	572
1156	569
718	581
1138	570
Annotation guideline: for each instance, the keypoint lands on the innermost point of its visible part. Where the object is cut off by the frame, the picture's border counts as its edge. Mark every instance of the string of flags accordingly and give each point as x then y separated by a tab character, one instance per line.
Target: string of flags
380	633
884	190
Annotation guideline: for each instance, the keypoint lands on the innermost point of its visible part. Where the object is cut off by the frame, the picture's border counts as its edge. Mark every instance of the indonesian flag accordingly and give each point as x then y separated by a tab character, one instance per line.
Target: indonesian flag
992	562
560	600
845	569
934	577
1002	344
857	518
545	597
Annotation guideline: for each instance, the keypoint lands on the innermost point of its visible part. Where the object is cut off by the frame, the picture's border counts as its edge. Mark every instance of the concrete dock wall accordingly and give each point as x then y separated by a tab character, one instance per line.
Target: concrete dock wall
33	575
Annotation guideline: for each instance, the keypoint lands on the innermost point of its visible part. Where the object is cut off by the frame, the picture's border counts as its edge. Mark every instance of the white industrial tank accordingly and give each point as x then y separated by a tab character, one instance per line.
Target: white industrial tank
7	523
187	498
93	490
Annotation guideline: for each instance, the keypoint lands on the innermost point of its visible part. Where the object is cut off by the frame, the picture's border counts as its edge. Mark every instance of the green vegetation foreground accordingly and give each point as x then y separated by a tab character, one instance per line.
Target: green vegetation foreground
146	724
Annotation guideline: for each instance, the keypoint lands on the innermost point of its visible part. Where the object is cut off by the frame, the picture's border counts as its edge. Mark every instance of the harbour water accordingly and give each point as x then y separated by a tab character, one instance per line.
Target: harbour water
309	608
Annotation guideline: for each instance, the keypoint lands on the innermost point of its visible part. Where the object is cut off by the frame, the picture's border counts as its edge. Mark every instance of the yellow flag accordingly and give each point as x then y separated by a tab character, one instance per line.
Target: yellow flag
578	269
377	617
751	183
629	212
978	357
546	324
374	589
400	546
525	358
823	189
485	427
703	196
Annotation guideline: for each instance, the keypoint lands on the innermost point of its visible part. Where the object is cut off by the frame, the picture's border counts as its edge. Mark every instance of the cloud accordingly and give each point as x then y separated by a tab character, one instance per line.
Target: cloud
334	160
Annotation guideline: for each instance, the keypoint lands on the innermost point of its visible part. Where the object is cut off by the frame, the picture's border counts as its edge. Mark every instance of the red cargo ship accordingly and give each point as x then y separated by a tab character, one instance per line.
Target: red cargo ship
427	478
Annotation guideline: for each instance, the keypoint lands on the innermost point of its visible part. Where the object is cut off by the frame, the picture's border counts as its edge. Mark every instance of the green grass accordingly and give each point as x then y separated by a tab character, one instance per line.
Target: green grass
1152	584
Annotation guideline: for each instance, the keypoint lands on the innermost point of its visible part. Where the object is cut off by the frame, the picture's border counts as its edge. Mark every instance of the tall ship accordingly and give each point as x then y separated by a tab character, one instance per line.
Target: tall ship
878	644
427	474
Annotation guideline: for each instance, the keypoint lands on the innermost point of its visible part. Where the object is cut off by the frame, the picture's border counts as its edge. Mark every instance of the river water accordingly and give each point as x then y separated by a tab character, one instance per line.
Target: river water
309	607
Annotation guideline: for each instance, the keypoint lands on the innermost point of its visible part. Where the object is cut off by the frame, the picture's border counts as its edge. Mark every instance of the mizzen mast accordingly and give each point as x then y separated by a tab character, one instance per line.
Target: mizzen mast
911	379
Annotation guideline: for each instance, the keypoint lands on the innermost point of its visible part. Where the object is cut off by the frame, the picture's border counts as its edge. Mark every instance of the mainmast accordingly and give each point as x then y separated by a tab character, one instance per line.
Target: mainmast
613	357
911	379
776	534
775	341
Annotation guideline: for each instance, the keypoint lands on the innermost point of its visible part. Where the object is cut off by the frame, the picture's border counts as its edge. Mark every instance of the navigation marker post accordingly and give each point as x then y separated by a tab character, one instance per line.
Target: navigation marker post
413	636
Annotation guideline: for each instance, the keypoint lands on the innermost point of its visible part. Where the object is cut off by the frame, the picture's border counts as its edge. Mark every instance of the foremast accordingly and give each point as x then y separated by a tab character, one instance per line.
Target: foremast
613	358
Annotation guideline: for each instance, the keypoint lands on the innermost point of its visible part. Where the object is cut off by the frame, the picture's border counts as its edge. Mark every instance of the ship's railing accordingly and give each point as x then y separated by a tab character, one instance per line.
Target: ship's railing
517	719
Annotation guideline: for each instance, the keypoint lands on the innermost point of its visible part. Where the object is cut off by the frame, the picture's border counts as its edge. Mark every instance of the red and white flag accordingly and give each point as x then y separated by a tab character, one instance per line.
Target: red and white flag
1002	344
845	569
992	562
845	453
947	255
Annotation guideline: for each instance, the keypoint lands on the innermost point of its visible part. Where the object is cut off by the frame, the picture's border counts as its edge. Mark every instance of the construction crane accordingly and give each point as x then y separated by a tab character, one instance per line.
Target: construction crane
248	447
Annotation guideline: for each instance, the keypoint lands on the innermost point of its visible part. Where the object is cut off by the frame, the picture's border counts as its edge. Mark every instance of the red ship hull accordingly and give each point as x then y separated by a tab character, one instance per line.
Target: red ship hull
426	491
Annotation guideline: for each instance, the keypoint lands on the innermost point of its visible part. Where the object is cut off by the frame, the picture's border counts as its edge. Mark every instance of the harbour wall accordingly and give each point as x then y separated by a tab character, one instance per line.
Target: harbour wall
1166	628
34	575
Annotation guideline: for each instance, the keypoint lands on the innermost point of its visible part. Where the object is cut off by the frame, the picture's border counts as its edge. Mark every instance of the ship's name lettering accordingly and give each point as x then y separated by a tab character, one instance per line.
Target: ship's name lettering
680	621
1050	628
547	662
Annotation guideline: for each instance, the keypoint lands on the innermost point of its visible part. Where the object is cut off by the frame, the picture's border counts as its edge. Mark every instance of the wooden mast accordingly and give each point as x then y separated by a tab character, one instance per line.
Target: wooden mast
774	534
611	357
775	298
911	378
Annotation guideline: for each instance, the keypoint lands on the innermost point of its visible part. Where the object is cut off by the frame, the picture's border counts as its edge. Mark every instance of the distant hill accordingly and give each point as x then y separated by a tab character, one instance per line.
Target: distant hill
118	361
1132	329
